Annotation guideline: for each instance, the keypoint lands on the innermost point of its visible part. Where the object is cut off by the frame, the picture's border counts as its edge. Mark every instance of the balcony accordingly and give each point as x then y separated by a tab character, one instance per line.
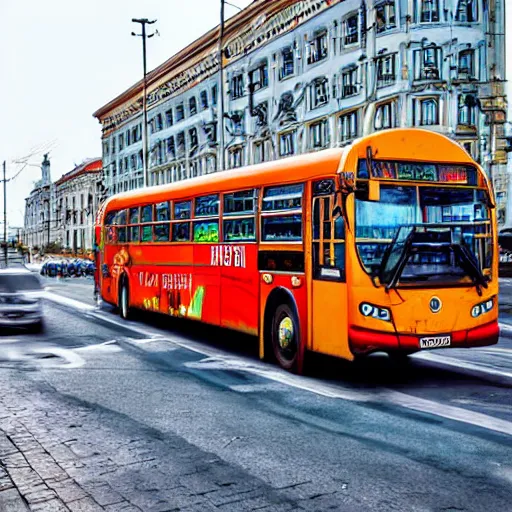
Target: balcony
386	79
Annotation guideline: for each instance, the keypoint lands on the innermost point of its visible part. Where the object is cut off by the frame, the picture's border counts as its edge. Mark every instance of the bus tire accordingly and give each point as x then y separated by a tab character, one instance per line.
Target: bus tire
124	299
285	336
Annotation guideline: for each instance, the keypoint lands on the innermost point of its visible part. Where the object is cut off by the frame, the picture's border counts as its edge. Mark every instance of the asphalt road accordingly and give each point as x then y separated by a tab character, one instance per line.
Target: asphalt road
227	432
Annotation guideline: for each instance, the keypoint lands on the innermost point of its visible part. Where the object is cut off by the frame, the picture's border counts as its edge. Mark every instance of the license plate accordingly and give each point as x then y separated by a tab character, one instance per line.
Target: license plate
435	342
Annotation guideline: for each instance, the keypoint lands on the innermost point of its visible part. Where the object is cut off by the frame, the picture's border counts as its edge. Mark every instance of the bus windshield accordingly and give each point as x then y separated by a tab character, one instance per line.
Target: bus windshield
426	235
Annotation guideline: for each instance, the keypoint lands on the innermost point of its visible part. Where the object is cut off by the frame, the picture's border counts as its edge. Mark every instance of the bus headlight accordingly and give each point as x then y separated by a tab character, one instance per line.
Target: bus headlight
375	311
483	307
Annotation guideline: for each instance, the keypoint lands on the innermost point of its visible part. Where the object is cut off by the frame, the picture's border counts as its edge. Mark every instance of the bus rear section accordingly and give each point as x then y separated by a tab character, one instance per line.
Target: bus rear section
424	252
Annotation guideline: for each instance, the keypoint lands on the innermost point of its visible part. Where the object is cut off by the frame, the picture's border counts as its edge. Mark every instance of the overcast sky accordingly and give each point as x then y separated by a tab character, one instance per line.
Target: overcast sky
61	60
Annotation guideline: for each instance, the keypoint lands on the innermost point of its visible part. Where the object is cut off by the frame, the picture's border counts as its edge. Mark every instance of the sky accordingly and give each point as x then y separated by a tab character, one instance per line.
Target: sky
61	60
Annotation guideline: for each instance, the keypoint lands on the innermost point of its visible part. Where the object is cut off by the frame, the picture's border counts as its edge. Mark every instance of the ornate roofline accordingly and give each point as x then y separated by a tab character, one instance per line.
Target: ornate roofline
250	29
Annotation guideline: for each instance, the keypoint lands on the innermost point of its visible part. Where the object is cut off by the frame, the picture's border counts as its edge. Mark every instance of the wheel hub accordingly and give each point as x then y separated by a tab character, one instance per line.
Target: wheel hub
285	332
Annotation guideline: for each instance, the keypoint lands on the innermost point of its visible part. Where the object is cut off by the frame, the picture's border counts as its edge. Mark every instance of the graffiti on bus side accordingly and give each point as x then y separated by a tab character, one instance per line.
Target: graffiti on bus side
148	279
177	281
227	256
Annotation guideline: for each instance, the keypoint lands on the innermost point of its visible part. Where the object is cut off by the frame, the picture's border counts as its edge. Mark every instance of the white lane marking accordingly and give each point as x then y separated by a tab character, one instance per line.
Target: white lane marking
480	368
66	301
73	360
9	340
308	384
106	346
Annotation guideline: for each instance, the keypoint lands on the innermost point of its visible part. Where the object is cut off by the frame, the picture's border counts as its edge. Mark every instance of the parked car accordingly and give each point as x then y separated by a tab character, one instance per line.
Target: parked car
20	299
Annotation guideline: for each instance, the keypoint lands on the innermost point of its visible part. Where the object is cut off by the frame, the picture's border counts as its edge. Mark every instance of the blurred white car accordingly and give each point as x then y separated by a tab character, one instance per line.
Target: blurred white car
20	299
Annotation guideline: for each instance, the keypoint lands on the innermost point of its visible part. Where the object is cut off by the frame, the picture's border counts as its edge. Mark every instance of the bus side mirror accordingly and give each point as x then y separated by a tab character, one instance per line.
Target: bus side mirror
373	190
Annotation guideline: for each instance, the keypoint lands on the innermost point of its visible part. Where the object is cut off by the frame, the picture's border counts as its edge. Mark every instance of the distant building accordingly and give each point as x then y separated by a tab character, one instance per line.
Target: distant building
63	212
38	229
305	75
76	200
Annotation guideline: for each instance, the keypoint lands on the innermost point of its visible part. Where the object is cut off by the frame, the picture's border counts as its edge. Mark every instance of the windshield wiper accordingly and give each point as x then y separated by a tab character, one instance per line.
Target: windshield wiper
402	260
469	264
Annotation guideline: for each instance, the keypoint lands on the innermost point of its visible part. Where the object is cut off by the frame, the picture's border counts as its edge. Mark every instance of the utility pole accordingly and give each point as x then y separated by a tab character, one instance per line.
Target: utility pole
5	214
221	87
144	35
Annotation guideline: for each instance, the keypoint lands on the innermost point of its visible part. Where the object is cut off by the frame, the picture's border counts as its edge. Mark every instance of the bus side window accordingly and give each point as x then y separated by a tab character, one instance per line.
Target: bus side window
134	228
121	226
147	230
328	241
239	224
181	232
111	233
281	213
206	231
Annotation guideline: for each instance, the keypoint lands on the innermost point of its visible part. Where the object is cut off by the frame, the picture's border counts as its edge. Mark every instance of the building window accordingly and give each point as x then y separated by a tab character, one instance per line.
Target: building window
236	156
319	92
237	86
192	134
168	118
287	144
386	17
466	64
385	115
467	110
386	70
159	123
259	77
347	126
171	148
259	152
180	112
128	138
467	11
140	160
121	142
427	63
287	63
469	146
180	144
318	135
214	95
349	82
192	106
204	100
317	48
429	11
426	112
351	30
113	146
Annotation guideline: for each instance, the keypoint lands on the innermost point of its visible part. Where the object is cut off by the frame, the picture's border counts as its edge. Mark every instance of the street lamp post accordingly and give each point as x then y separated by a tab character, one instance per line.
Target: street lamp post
5	214
143	22
221	87
220	120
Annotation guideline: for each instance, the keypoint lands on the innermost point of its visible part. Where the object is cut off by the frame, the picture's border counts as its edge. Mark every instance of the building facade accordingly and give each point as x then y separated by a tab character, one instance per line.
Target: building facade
77	196
301	76
38	228
61	214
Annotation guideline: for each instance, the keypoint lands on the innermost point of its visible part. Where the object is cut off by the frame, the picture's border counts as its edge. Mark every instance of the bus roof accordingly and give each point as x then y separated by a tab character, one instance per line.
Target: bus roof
409	143
287	170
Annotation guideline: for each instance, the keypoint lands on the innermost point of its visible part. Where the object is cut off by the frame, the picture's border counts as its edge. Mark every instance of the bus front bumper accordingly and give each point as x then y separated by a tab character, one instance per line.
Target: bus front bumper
365	341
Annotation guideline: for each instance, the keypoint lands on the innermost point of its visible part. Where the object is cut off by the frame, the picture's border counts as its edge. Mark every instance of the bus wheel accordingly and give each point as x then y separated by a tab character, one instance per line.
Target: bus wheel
285	336
124	299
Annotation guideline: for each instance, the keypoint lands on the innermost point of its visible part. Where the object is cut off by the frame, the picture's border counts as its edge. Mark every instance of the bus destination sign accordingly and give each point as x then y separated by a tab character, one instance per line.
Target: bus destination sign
419	171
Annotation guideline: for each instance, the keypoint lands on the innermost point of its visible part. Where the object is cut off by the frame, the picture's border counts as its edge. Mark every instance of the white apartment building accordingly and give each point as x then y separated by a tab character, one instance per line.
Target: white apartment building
305	75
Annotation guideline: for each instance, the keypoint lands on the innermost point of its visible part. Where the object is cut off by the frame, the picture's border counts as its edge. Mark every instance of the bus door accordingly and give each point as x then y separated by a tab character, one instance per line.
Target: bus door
329	303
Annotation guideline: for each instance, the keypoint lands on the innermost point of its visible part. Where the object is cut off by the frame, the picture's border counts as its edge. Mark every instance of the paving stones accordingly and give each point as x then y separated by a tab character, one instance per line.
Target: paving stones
58	455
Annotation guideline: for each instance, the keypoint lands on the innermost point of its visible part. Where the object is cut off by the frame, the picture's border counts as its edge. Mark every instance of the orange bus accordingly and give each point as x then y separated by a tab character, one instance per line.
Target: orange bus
388	244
